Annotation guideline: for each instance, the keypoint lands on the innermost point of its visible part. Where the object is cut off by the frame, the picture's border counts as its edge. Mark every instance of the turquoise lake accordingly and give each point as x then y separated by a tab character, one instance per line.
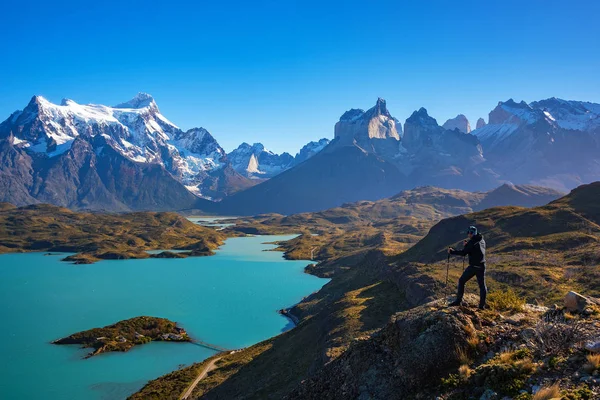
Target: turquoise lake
229	299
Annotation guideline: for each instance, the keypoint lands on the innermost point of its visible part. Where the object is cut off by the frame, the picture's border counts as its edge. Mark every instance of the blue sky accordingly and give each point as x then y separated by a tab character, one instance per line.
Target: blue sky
282	72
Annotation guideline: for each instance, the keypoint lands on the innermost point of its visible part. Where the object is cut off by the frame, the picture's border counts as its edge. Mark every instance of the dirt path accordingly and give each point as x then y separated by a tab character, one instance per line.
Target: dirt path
202	375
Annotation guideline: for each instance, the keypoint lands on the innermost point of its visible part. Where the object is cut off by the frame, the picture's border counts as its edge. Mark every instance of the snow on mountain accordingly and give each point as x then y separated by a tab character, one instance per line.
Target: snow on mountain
254	161
310	149
459	122
551	142
136	129
506	119
572	115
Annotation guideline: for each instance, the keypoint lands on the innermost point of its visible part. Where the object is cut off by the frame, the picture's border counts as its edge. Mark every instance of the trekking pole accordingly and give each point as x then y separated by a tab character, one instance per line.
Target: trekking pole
447	270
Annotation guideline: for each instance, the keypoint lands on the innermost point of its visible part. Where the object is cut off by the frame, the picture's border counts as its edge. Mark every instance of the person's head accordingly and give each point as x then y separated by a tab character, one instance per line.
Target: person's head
472	231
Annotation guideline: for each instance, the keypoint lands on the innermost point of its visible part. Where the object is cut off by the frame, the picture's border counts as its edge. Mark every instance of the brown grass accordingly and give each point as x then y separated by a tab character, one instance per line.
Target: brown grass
462	355
593	363
464	372
548	393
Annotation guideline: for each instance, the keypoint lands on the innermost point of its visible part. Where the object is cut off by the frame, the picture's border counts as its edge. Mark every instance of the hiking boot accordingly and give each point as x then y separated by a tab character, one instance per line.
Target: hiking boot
455	303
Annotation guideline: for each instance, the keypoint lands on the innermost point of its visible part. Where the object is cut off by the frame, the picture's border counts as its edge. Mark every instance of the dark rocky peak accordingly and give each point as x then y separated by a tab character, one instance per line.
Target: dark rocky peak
198	140
421	118
480	123
380	108
352	114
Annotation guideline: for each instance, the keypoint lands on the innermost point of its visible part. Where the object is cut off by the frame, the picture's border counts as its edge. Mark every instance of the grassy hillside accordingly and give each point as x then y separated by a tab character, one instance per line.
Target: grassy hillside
391	225
541	251
100	236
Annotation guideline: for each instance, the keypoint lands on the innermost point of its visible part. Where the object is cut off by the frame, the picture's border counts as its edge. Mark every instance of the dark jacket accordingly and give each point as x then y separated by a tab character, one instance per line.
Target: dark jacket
475	248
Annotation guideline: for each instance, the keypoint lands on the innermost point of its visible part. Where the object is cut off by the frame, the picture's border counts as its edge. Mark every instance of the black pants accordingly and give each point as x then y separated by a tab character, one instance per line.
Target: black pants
470	272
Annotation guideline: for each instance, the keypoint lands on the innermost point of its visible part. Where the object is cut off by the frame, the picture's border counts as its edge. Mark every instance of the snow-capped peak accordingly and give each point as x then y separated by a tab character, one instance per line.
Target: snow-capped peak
135	129
569	114
141	100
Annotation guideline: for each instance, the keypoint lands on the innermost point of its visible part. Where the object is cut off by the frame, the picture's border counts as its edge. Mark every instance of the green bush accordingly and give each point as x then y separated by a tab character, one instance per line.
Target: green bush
581	393
452	381
507	300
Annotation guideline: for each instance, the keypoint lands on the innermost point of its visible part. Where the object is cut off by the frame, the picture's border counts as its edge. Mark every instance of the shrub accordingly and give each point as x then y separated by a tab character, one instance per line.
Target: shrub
548	393
580	393
464	372
452	381
555	335
507	372
507	300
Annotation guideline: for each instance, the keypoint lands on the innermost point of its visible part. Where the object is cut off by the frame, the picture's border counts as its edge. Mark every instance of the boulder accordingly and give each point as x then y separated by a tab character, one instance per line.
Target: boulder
577	302
593	346
489	394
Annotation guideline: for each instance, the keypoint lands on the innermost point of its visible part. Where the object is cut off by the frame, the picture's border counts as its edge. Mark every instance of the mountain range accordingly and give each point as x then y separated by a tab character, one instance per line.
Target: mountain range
256	162
130	156
118	158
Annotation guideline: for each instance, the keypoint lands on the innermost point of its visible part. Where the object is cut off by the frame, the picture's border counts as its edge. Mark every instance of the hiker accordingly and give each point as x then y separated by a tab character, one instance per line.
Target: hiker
475	248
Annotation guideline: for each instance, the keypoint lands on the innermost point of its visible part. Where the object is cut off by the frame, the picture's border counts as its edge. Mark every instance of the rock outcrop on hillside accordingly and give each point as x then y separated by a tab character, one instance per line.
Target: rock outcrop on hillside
416	348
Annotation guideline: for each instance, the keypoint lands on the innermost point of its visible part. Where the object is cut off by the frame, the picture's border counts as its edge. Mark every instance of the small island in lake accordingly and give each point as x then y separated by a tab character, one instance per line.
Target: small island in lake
126	334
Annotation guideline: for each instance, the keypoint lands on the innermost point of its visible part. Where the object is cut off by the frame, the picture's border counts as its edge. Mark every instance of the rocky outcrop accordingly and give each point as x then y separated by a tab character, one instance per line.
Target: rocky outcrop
480	123
459	122
416	348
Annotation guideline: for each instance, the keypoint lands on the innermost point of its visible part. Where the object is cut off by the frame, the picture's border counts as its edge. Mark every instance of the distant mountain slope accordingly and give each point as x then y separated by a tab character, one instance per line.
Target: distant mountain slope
256	162
423	203
346	172
551	142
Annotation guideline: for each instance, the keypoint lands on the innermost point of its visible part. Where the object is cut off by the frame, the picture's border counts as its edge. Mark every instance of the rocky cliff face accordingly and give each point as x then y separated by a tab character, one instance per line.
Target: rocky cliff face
374	130
459	122
441	157
480	123
417	348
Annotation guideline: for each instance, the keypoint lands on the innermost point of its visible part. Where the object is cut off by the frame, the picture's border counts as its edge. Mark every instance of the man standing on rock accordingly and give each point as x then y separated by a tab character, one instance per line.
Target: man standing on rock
475	248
